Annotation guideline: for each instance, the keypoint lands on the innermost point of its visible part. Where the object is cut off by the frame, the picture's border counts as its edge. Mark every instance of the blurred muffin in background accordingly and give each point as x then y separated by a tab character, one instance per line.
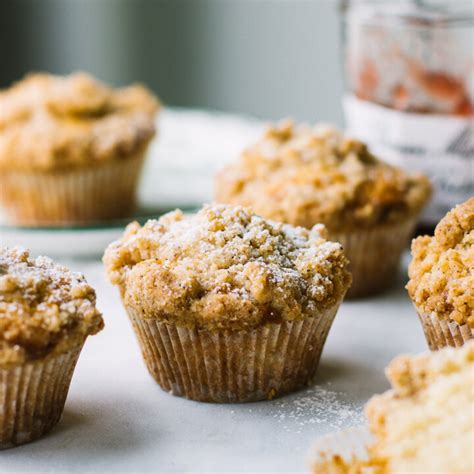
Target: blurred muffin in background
305	175
442	279
227	306
424	424
71	149
46	314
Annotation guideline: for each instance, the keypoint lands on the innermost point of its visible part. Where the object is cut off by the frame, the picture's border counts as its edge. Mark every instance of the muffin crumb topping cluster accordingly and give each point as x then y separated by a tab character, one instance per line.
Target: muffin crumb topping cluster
442	270
427	407
302	175
50	122
44	307
411	375
423	409
226	267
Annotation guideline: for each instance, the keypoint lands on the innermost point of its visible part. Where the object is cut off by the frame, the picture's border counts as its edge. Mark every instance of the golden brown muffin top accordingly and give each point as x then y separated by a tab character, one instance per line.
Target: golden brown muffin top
226	267
53	122
442	269
425	423
304	175
44	308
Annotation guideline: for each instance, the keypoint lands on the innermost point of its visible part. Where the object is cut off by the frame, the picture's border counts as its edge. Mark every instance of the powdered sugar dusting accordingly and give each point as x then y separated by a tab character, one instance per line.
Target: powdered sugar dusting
36	275
225	262
41	303
232	236
317	406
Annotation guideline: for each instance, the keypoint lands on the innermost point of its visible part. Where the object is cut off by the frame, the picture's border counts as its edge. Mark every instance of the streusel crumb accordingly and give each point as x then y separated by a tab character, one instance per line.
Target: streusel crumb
226	267
335	464
425	423
44	308
52	122
442	270
304	175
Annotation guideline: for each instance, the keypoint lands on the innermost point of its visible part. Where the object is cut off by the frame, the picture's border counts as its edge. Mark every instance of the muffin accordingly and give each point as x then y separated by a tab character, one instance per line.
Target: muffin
302	176
424	424
227	306
46	314
441	282
71	149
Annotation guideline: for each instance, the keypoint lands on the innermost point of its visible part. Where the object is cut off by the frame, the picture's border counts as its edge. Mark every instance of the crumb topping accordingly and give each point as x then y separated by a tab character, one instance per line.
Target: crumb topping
411	375
425	423
336	464
226	267
53	122
44	308
442	269
304	175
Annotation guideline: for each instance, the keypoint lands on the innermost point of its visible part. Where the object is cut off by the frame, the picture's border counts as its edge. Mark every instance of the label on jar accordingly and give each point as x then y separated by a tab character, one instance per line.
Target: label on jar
440	146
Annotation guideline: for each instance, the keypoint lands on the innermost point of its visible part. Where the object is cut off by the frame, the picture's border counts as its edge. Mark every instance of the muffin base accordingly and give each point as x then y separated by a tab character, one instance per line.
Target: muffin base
76	196
233	366
32	397
374	255
441	333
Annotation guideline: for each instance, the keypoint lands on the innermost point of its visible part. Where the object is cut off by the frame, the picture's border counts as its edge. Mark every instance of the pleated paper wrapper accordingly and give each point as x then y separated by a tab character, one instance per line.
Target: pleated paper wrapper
441	333
32	397
233	366
374	255
76	196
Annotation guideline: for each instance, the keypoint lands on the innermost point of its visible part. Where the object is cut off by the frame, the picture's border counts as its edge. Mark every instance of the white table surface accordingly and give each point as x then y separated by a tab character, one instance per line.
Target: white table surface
117	419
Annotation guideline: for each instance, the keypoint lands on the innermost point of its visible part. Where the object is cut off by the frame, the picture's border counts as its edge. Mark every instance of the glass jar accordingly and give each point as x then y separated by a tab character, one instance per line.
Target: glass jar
409	68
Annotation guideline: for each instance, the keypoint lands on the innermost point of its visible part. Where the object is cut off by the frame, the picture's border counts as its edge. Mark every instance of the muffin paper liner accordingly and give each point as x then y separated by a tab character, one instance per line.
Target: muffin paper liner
76	196
441	333
374	255
32	397
233	366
